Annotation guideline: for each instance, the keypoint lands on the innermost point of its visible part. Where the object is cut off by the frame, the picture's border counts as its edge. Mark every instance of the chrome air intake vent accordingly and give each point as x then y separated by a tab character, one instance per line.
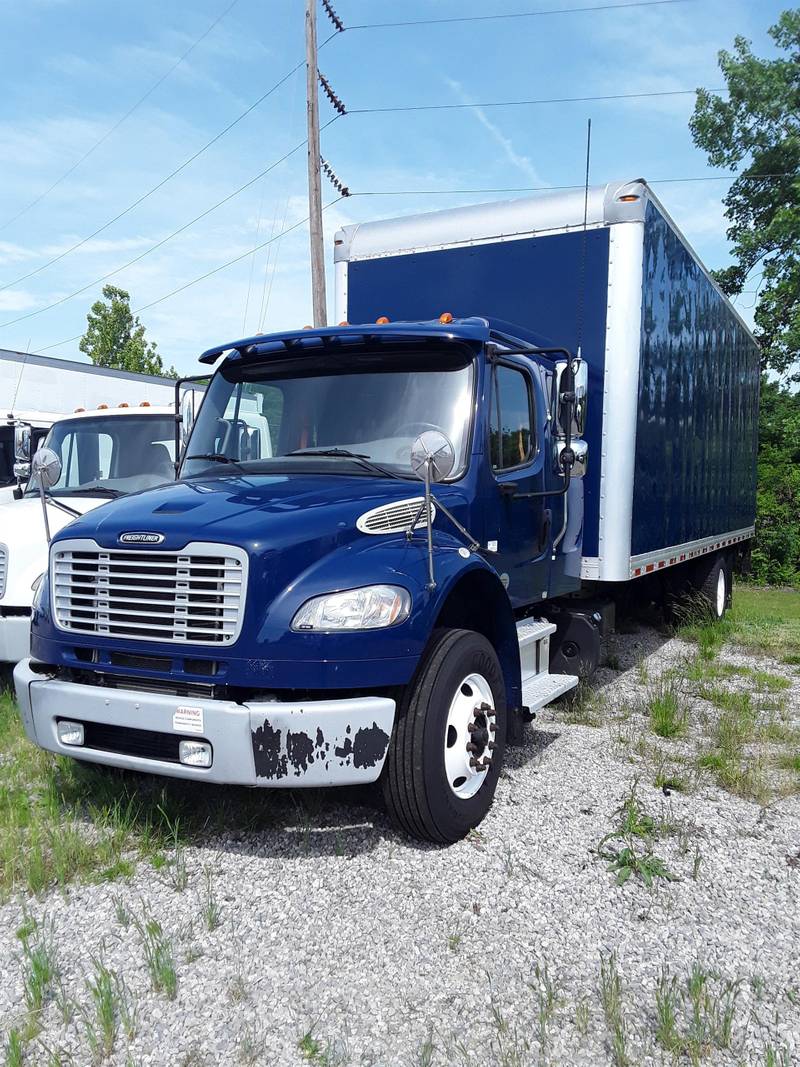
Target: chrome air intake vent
194	596
395	518
3	568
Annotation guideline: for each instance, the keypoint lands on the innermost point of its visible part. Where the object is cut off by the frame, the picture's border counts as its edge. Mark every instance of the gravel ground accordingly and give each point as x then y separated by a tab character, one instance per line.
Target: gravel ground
393	953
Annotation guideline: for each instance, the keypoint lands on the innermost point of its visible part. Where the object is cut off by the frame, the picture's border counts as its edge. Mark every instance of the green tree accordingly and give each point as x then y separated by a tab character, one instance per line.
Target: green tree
776	553
115	338
756	130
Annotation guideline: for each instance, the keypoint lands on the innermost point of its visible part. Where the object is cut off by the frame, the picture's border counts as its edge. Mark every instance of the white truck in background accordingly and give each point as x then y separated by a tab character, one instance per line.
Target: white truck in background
35	391
105	454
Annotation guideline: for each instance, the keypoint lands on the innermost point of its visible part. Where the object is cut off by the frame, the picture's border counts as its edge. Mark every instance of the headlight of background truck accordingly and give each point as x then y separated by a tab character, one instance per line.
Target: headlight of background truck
38	586
369	608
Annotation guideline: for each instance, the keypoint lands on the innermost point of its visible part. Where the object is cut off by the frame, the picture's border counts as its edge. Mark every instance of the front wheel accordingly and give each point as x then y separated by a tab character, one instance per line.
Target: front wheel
447	746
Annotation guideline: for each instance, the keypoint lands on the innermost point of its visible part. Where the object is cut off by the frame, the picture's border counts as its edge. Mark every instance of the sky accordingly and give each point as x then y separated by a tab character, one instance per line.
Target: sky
75	73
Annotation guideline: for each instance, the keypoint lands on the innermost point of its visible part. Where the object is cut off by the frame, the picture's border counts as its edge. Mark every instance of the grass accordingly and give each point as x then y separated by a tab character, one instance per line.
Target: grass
695	1017
763	621
665	707
158	956
62	822
611	1000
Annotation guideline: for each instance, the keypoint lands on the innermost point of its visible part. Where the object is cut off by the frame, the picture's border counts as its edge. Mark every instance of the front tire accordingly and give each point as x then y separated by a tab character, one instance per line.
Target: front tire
434	786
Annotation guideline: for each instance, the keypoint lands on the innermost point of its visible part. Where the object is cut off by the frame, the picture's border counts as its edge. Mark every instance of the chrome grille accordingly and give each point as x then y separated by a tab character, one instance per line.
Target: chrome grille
395	518
3	568
195	596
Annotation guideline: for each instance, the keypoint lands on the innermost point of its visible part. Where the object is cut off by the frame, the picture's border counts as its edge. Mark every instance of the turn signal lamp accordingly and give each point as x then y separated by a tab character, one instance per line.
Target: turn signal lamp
628	198
124	404
77	410
102	407
344	323
145	404
382	321
445	318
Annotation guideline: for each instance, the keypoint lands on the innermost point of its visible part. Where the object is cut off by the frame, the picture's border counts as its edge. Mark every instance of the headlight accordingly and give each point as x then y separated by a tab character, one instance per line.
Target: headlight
369	608
38	587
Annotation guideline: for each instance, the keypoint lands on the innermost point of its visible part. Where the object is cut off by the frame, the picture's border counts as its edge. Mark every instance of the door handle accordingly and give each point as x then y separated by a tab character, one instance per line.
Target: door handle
547	522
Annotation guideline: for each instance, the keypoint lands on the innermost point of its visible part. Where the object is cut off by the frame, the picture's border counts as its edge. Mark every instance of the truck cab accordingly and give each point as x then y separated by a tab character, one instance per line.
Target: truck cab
21	433
103	454
343	583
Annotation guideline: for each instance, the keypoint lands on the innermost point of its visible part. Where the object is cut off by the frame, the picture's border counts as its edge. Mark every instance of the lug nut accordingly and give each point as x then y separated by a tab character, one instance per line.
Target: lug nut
472	727
492	727
492	746
471	747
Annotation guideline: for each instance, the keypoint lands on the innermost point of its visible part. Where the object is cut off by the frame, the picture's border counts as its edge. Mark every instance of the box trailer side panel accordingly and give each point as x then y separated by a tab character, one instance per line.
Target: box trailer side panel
697	411
534	282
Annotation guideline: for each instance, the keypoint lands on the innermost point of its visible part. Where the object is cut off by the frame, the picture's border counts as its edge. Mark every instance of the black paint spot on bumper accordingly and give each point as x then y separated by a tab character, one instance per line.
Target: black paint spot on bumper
267	752
369	746
300	750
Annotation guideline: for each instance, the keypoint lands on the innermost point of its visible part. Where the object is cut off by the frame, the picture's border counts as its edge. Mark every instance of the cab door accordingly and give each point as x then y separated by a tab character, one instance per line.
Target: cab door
520	524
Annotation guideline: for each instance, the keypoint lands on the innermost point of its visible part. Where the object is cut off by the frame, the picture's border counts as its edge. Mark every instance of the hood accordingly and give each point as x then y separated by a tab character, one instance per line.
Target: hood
22	536
253	512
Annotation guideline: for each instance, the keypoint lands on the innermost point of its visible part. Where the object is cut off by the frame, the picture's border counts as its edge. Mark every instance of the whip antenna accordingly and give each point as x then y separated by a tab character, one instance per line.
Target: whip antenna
582	276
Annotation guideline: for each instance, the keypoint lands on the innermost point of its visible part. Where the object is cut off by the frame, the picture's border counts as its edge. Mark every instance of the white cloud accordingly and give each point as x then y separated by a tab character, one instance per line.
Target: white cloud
522	162
17	300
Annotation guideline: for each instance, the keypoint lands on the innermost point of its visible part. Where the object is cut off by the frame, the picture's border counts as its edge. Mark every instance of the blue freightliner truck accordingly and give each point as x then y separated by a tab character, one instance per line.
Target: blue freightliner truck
390	543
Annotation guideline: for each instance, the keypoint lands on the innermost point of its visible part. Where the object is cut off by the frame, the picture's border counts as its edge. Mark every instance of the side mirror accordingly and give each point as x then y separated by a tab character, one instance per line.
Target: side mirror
433	452
187	416
22	442
571	379
46	466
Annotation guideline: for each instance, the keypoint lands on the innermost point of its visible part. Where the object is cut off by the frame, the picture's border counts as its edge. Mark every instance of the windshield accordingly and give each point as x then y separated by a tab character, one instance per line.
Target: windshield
112	454
270	416
6	455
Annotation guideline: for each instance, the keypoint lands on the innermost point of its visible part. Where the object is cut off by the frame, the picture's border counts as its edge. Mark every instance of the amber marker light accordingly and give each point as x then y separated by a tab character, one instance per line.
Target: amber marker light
382	321
445	318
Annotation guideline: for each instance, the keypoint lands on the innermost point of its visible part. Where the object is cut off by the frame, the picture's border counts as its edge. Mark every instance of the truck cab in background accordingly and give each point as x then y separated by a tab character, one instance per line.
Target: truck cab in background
104	454
21	433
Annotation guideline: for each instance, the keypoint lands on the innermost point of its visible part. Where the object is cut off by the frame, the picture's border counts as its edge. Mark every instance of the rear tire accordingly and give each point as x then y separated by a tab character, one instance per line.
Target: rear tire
715	587
435	789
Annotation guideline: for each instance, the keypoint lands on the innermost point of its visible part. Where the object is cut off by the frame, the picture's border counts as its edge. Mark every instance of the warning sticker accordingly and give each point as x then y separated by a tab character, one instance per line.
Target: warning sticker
188	720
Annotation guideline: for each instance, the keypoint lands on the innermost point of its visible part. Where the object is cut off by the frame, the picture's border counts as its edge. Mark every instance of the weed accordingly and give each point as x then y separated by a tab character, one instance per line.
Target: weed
211	908
667	998
40	967
629	848
237	989
611	999
454	941
101	1033
582	1016
158	956
178	875
121	912
322	1054
665	709
14	1048
776	1057
613	662
546	991
425	1052
252	1044
585	706
696	863
512	1047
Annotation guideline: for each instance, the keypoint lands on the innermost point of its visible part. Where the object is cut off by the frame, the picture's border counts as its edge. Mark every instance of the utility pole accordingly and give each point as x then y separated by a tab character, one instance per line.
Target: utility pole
314	176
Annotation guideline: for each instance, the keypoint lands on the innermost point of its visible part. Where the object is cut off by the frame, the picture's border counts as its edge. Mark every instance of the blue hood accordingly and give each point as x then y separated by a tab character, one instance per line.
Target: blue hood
254	512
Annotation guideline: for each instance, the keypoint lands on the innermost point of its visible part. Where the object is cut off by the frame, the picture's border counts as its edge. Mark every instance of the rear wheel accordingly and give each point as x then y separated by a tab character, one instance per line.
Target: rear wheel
715	587
448	743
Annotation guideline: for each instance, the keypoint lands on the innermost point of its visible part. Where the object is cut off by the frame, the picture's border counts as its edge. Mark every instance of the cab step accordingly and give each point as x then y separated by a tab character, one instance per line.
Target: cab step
539	687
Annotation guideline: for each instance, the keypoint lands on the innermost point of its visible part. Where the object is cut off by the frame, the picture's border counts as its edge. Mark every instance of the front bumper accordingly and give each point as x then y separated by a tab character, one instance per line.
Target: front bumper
15	638
263	743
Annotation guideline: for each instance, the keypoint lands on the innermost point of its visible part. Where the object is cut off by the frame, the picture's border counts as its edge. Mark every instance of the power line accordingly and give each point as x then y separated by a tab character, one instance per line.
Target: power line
162	183
164	240
558	188
521	103
122	119
208	274
512	15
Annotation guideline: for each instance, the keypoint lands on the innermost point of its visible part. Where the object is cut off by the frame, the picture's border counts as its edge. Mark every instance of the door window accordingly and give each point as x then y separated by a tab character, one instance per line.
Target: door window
510	419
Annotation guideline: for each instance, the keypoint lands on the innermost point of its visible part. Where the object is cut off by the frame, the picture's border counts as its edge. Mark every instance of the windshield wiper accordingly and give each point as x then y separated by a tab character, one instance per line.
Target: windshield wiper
344	453
98	490
216	457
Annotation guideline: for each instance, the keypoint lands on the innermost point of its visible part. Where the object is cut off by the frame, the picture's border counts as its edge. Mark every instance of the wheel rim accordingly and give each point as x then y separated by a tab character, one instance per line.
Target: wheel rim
469	736
721	592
